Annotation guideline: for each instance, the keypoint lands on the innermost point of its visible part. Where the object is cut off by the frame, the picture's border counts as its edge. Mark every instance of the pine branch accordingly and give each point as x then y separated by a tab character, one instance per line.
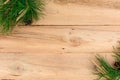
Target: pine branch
105	71
13	12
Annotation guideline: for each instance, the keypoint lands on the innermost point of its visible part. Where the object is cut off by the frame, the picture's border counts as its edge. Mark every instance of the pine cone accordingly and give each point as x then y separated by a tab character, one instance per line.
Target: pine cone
117	65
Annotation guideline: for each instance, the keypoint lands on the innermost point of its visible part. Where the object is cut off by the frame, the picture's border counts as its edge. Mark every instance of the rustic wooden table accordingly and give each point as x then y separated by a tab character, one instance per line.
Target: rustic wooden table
63	44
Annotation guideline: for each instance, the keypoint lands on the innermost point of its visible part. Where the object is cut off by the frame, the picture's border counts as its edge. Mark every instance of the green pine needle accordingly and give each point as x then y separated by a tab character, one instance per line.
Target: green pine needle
13	12
105	71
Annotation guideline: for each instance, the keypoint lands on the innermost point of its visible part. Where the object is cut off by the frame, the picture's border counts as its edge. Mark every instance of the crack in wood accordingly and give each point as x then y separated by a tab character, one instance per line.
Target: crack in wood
14	75
7	79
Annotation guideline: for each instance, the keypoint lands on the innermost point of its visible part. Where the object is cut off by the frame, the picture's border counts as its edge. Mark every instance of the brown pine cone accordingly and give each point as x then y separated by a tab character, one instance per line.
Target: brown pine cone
117	65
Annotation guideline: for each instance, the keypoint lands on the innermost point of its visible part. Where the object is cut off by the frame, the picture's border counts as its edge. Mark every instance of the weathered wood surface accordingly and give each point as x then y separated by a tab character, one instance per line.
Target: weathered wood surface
55	52
81	12
58	39
40	66
63	47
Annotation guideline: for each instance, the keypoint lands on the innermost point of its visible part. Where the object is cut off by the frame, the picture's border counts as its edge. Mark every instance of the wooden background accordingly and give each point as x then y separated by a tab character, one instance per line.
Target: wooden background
62	45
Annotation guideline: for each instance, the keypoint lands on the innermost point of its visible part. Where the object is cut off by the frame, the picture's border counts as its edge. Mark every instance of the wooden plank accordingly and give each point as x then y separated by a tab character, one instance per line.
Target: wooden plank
53	39
55	52
40	66
81	12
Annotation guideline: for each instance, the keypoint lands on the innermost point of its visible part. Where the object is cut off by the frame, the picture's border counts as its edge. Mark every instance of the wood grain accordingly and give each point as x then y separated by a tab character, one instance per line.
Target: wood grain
62	45
60	39
55	52
81	12
47	66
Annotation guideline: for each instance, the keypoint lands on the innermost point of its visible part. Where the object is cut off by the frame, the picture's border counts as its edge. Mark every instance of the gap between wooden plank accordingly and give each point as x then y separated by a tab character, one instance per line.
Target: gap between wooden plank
75	25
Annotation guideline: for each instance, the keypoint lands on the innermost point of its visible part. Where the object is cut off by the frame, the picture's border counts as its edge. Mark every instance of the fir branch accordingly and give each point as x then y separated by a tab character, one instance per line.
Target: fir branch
107	71
13	12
